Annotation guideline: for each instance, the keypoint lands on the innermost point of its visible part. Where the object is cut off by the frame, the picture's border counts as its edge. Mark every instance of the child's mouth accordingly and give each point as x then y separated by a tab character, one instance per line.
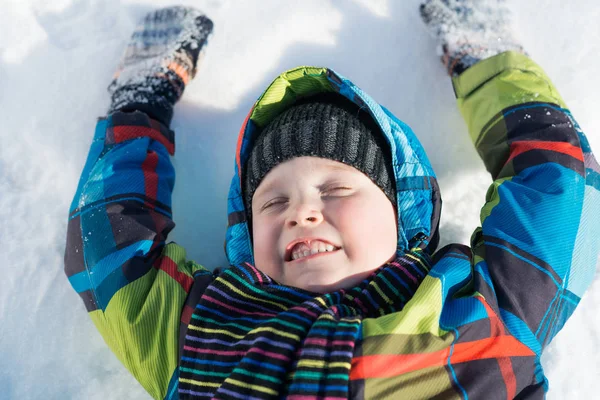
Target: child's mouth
311	256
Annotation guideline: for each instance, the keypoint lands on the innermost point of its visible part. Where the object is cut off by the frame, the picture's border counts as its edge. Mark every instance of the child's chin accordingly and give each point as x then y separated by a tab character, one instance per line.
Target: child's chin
314	285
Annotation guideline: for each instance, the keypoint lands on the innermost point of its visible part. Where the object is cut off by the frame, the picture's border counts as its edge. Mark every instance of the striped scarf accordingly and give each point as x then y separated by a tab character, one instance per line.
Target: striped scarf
252	338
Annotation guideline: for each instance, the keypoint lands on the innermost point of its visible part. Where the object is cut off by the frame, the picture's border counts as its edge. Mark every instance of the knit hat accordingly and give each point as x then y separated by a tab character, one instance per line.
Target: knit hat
327	126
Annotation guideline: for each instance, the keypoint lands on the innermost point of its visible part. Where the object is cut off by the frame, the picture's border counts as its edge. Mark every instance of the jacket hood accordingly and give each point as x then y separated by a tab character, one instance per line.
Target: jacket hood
418	199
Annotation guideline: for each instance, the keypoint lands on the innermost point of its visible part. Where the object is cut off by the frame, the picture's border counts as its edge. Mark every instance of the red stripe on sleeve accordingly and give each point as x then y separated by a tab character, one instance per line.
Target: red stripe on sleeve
150	175
495	347
170	267
504	363
128	132
389	365
521	147
186	315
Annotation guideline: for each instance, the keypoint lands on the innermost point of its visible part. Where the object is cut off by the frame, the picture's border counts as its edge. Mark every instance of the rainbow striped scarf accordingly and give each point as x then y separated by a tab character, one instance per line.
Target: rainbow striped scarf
251	338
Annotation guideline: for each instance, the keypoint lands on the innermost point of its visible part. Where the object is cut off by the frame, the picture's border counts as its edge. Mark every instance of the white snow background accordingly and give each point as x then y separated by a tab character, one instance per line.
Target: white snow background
56	60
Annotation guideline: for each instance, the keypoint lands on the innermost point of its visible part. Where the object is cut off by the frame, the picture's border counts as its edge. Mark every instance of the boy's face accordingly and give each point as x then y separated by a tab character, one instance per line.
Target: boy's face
317	198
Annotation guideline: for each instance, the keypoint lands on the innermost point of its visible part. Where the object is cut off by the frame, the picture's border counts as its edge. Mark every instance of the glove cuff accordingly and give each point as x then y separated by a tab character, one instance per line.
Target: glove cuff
467	55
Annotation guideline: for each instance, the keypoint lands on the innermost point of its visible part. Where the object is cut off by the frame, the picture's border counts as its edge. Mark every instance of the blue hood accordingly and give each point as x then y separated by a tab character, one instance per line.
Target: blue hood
417	192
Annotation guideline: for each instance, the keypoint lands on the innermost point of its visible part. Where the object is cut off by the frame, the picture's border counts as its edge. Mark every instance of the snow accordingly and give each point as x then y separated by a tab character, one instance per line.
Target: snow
480	31
56	60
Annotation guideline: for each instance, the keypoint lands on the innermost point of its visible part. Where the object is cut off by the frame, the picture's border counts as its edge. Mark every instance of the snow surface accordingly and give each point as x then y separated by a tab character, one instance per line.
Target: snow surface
56	60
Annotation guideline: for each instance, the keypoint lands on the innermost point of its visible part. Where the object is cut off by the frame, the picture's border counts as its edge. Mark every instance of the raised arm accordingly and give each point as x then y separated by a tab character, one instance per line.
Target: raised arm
537	248
132	283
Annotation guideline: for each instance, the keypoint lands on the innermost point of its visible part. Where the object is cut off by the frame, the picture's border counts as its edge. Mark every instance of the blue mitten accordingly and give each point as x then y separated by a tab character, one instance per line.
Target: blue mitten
161	58
468	31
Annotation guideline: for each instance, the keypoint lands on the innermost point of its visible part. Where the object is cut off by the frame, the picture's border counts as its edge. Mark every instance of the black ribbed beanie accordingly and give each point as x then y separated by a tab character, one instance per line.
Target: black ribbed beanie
327	126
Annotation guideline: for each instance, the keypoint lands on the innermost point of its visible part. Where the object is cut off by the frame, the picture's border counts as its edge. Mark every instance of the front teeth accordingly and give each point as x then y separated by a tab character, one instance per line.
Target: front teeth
317	248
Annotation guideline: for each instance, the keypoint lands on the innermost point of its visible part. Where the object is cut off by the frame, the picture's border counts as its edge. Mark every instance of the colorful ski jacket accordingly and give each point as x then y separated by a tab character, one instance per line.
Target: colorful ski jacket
459	322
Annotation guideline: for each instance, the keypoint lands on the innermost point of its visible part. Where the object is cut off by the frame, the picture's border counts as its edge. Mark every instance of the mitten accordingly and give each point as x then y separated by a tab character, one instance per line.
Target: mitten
161	58
468	31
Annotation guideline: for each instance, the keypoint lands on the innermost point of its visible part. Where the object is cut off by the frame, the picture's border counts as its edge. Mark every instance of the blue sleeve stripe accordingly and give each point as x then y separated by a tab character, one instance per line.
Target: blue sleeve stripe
140	199
551	307
95	150
521	331
87	280
509	111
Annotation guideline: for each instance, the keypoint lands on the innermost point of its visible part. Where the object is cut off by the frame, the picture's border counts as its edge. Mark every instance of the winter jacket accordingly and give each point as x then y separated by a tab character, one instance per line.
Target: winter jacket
459	322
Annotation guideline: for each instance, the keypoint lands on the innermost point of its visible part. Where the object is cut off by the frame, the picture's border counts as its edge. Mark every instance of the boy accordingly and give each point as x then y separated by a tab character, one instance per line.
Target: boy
335	288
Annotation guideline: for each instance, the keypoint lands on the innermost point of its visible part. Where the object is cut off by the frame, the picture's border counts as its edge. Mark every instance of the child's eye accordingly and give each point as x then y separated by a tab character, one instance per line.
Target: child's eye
326	192
273	202
335	190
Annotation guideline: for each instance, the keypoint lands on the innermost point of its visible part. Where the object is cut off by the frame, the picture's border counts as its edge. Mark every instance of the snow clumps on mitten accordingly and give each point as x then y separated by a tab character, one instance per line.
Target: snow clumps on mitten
468	31
161	58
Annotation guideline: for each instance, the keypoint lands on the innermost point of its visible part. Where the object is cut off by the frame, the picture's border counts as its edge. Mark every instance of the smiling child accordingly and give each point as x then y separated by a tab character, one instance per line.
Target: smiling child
336	288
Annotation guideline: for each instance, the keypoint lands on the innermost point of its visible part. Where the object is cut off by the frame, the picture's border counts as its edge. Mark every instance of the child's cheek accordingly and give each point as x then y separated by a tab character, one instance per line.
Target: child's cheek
265	244
350	211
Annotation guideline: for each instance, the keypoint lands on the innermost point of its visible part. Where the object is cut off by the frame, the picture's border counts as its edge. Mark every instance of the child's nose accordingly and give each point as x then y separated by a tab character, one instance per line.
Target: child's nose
304	215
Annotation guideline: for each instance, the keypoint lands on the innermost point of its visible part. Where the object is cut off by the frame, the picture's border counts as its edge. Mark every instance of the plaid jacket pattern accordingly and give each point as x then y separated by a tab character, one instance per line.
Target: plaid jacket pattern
459	322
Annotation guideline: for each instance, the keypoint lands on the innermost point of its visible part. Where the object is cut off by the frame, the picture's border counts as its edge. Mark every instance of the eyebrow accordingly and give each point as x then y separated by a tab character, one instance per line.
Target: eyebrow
338	167
265	189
